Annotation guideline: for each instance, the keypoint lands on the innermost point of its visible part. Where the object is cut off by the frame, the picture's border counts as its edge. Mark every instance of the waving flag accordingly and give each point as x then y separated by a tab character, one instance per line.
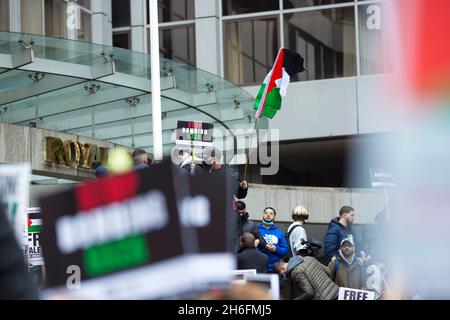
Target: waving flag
274	87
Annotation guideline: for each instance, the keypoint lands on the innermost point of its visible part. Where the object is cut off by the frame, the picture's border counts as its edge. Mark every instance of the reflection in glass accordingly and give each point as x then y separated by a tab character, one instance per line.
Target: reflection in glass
372	40
121	39
174	10
56	18
230	7
177	43
4	15
288	4
84	33
121	16
85	3
251	47
326	40
31	16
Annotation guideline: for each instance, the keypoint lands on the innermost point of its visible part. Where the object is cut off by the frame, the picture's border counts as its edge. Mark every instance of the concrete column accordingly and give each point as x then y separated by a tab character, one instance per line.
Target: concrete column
138	20
207	35
101	22
14	16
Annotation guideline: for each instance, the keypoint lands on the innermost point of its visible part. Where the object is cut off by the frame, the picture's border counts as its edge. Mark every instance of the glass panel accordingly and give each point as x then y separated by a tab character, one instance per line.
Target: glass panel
4	15
177	43
121	40
121	16
325	39
251	47
373	39
68	121
288	4
84	33
175	10
85	3
56	18
231	7
31	16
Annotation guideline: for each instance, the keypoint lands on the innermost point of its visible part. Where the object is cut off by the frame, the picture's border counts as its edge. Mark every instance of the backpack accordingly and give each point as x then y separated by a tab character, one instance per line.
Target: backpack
288	255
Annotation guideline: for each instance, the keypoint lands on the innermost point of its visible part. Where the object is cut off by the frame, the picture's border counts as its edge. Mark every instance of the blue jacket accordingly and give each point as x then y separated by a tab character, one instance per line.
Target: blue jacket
332	242
275	236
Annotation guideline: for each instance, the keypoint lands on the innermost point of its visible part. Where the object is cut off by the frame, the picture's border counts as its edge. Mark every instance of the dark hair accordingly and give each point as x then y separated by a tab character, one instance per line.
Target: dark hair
345	209
277	266
271	209
248	240
240	205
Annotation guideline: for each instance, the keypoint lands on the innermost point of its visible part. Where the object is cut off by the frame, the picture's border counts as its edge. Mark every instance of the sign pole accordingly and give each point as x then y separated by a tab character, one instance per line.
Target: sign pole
155	79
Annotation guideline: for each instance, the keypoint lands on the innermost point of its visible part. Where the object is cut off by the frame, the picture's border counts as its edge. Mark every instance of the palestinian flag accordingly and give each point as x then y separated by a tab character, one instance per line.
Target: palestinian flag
268	100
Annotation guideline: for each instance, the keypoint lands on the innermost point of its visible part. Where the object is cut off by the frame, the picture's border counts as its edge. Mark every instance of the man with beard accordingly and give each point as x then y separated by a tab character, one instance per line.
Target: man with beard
346	268
338	229
244	225
276	246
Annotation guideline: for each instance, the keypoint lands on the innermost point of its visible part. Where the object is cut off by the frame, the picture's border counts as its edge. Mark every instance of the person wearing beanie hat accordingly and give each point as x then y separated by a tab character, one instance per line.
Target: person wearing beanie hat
346	268
101	171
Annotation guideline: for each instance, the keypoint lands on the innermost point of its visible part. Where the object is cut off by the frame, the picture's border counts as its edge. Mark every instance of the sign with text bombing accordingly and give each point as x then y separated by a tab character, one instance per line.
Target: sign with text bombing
14	197
355	294
34	242
194	134
119	233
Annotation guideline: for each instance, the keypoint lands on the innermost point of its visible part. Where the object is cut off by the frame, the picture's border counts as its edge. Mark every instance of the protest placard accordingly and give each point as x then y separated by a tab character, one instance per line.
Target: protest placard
14	197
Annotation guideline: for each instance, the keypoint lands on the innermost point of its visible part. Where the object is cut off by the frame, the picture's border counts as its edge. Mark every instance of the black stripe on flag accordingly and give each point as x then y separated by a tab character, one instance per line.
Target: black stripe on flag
292	62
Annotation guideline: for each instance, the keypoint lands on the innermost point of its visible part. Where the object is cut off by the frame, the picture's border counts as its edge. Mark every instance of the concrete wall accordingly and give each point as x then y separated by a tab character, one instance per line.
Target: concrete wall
323	204
19	144
334	107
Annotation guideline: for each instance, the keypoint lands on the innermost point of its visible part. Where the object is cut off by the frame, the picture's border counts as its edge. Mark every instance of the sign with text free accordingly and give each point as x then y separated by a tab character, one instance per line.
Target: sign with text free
35	256
194	134
14	197
355	294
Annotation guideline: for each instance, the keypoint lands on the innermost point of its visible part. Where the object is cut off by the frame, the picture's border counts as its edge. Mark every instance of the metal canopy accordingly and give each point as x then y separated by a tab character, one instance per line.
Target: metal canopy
104	92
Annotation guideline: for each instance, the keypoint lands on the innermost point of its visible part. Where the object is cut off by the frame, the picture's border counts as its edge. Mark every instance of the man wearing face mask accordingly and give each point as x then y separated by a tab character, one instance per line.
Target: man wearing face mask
276	246
211	158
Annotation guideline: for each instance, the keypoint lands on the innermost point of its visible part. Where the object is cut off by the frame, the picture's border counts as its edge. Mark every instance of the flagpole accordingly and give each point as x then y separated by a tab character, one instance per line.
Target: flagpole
248	152
155	82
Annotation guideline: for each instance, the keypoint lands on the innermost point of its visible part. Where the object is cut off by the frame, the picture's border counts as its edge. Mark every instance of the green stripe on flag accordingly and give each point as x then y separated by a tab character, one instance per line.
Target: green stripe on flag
273	101
34	228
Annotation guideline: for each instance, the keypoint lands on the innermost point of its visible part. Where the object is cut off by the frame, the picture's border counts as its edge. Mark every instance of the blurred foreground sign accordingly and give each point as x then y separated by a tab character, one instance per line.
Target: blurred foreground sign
121	237
14	197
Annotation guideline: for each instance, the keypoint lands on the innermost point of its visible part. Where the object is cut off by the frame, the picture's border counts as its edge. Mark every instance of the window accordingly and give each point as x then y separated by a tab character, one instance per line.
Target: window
177	43
231	7
31	16
121	16
174	10
4	15
121	40
289	4
325	39
84	33
56	18
85	3
372	40
251	47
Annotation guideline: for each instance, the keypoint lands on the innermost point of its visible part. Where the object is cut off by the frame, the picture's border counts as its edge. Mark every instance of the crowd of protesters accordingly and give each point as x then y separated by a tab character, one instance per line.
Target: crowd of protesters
264	246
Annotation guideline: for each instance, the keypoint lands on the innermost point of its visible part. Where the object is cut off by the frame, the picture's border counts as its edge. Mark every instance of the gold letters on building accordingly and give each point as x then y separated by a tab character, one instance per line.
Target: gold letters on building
73	153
